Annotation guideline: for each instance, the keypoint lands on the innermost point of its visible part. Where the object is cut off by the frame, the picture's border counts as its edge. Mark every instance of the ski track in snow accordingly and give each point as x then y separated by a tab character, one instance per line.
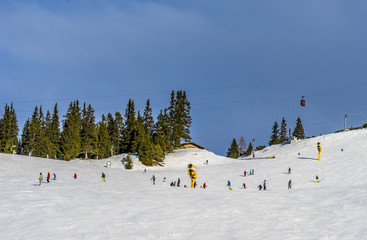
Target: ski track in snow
128	206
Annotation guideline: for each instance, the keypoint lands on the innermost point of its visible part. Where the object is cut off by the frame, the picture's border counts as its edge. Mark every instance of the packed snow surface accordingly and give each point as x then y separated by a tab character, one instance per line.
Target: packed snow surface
129	206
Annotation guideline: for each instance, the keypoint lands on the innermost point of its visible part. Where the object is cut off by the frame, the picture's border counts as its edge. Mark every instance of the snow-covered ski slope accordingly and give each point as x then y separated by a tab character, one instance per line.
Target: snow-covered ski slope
128	206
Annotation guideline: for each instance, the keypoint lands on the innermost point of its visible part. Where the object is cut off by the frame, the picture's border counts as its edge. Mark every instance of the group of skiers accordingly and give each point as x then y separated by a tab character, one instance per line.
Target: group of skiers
40	178
251	172
174	183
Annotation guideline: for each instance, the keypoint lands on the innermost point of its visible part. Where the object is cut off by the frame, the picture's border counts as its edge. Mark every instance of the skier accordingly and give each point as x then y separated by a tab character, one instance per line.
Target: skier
178	182
244	185
229	185
290	184
164	181
48	177
40	179
153	179
204	186
289	170
250	172
264	184
54	176
253	172
260	187
103	177
75	176
244	173
317	179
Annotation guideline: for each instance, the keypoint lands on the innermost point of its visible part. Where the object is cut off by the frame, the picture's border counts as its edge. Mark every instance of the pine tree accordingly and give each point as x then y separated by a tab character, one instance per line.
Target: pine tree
128	162
249	149
180	119
148	120
52	150
26	138
283	132
274	138
103	144
70	136
119	121
162	132
8	130
143	142
242	145
114	134
35	133
88	131
298	131
233	151
54	132
129	130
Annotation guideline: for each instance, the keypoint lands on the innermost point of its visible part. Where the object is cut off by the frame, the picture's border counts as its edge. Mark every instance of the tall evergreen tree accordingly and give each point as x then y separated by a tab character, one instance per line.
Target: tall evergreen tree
70	136
148	120
54	132
88	131
8	130
129	130
180	119
162	132
119	121
103	144
144	146
274	138
114	134
283	132
233	151
26	138
298	131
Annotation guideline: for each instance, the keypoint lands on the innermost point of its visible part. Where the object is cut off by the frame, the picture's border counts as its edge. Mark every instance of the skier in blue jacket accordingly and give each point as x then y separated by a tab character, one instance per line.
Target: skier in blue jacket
229	185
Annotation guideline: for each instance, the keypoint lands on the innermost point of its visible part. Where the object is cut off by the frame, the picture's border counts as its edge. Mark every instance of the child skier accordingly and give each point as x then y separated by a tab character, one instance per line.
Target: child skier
178	182
244	173
204	186
317	179
289	170
40	179
75	176
264	184
290	184
54	176
260	187
229	185
48	177
103	177
244	185
153	179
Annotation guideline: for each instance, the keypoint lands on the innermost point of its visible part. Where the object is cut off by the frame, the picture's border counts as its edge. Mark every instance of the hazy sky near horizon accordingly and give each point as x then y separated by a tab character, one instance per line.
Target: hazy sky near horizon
243	64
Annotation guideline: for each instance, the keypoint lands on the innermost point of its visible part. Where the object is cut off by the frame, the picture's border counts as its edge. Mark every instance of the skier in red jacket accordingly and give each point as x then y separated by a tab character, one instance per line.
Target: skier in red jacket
48	177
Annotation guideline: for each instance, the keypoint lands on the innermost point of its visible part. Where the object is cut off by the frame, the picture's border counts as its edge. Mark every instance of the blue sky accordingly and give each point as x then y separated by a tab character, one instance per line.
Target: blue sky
243	64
